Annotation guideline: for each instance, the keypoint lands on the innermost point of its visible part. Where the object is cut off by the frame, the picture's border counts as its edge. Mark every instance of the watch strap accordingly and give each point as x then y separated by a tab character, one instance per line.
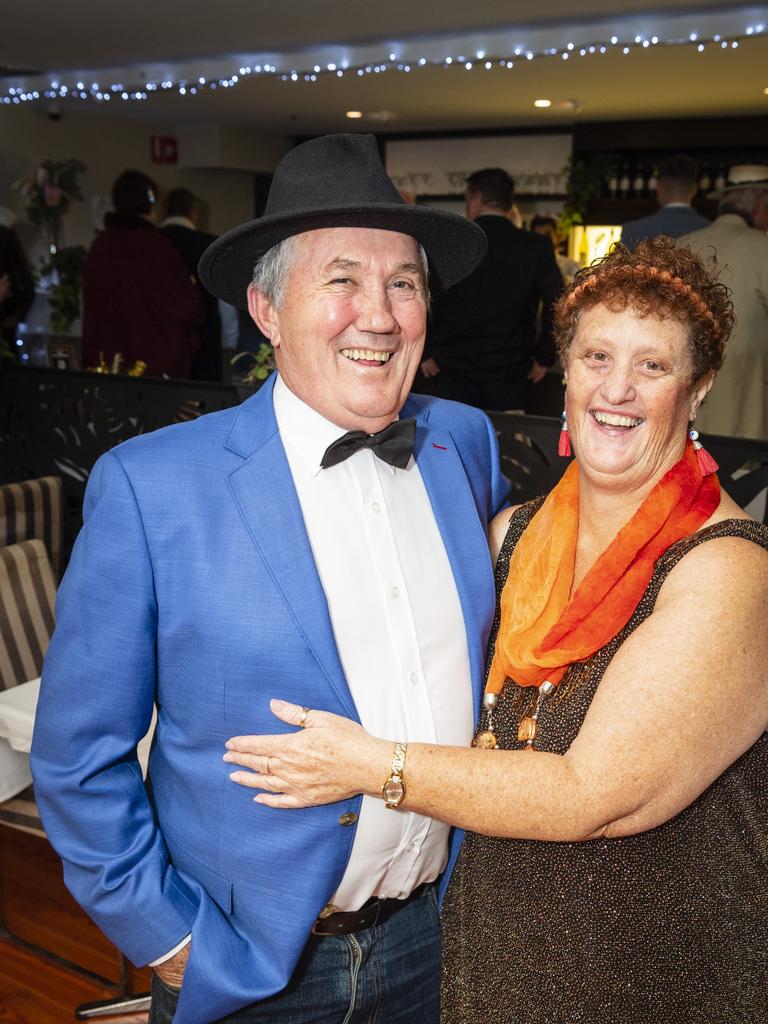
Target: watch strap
393	790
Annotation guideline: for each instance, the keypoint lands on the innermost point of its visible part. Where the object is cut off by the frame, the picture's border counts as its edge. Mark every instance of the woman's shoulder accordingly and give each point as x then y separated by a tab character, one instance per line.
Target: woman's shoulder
507	526
738	536
711	589
497	531
726	555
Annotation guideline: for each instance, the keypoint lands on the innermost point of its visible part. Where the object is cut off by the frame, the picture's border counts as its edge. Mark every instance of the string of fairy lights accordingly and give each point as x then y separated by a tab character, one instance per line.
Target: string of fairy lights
88	88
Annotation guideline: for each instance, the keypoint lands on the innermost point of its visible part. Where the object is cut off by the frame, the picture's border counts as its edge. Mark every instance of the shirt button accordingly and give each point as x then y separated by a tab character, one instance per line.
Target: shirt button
413	678
348	819
411	847
395	591
375	506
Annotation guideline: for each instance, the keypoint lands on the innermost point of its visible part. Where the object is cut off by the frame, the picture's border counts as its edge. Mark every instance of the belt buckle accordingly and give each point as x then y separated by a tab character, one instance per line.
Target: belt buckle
380	909
328	911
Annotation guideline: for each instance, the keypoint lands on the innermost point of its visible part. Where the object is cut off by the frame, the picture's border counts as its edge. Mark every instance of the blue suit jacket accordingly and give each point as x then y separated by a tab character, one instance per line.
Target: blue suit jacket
192	585
669	220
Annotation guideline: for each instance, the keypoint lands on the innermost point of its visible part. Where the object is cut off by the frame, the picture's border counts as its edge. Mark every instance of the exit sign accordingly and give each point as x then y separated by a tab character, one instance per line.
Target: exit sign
164	149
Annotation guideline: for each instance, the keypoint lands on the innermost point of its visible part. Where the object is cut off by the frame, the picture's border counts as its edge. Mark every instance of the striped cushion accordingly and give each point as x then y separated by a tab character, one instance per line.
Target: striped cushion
21	812
27	598
33	508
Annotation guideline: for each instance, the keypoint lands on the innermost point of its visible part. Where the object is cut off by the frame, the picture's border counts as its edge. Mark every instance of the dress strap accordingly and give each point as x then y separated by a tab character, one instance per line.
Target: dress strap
748	529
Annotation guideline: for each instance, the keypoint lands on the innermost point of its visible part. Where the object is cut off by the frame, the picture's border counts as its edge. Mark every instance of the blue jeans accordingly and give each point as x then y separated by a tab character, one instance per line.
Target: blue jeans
387	974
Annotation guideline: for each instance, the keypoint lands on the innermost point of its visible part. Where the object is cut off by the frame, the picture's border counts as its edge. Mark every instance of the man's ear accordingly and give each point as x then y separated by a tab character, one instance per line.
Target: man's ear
264	314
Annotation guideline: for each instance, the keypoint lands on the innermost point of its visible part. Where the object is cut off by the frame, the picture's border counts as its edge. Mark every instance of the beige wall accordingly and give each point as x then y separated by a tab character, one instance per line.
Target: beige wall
108	145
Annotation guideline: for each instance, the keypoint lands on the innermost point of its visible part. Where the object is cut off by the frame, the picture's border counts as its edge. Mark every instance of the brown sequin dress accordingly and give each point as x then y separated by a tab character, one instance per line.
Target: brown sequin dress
670	925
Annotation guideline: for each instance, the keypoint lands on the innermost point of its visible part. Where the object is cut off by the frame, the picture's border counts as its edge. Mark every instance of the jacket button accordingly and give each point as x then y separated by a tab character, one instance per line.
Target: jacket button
348	819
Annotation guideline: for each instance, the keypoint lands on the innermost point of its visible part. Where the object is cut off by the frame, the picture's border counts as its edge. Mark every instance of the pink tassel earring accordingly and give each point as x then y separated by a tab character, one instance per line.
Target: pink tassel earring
564	442
707	464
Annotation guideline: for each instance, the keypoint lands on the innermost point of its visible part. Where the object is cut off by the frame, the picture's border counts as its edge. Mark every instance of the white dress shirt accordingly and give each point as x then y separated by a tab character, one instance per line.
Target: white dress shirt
398	626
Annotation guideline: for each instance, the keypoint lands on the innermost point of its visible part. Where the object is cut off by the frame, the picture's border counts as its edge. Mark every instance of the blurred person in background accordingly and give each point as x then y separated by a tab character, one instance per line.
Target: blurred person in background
483	346
737	242
675	188
139	298
547	226
181	226
17	286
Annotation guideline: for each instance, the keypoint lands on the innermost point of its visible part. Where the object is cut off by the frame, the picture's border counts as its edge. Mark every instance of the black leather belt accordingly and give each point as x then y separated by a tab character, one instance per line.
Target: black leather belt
375	911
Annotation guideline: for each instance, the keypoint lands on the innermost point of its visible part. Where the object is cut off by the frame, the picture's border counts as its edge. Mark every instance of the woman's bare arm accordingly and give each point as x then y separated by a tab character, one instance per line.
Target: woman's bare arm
497	531
682	699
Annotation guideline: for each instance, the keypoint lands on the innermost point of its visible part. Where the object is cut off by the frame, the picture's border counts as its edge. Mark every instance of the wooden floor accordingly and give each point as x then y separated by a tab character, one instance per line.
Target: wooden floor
35	906
35	992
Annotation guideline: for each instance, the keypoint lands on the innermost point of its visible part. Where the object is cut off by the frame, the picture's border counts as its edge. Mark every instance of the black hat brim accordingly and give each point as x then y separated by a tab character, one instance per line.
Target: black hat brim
454	245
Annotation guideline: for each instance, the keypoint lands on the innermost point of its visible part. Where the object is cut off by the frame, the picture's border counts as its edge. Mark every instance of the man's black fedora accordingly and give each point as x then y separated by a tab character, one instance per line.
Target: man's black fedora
338	181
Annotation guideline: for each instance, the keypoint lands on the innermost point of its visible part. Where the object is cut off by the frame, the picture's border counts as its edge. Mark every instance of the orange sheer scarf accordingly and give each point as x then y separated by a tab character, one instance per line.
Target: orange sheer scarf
543	629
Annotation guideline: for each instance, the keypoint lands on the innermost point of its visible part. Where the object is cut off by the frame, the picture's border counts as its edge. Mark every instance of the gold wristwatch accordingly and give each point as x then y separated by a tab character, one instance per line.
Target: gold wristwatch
393	790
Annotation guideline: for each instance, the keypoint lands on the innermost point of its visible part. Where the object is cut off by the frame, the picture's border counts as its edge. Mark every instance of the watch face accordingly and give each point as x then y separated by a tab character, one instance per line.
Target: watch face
393	792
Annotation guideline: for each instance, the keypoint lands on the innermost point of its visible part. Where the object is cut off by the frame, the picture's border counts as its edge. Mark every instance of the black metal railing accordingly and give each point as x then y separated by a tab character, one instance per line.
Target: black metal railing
55	422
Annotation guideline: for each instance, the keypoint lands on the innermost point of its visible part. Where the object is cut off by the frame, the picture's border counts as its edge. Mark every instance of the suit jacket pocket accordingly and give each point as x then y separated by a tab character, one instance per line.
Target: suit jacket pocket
217	887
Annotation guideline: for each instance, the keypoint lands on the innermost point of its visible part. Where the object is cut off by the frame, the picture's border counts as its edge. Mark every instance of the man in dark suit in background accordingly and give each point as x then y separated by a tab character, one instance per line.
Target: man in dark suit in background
180	225
675	189
483	347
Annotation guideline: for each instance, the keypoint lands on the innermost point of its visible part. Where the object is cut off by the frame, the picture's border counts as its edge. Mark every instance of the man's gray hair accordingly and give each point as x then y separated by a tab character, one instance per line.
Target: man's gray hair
742	200
270	274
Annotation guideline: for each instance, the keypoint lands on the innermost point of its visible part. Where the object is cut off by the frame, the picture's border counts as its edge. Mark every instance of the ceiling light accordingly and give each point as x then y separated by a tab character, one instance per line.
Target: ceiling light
354	113
542	103
765	90
497	58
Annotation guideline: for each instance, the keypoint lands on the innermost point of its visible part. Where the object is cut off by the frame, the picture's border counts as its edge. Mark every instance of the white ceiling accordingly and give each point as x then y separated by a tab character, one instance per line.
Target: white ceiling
138	42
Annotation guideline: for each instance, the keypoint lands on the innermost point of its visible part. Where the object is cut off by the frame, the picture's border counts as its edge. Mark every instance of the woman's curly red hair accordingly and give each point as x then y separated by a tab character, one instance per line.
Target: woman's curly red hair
657	278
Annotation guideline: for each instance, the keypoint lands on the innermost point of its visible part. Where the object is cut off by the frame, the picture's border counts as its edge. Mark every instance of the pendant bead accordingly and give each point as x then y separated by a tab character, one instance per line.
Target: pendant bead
526	732
485	741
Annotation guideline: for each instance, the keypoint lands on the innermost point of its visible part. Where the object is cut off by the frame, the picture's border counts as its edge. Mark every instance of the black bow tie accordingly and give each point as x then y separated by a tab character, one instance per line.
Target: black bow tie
393	444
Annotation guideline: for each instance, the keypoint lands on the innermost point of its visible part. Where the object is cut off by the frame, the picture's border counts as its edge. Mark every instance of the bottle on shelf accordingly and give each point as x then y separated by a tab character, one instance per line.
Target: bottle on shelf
720	178
624	182
653	180
705	179
638	182
613	183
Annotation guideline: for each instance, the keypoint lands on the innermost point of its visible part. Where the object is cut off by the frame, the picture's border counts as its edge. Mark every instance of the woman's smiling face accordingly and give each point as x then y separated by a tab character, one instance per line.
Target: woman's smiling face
630	396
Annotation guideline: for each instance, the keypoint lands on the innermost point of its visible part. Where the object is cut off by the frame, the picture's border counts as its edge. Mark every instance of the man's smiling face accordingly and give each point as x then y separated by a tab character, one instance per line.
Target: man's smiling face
349	333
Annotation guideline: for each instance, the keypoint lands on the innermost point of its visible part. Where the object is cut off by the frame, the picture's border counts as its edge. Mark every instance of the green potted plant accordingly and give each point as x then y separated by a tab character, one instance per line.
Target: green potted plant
48	196
262	364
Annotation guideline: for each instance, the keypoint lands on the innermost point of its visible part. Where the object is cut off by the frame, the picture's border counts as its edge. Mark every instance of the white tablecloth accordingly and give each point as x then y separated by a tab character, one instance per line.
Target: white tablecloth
17	717
17	721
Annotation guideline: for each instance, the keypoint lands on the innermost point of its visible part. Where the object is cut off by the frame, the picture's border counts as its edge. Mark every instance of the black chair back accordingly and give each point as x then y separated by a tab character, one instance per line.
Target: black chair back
529	459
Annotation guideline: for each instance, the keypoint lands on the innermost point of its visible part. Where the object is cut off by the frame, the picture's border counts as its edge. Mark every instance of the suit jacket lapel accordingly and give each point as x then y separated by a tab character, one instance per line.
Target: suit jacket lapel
463	535
266	498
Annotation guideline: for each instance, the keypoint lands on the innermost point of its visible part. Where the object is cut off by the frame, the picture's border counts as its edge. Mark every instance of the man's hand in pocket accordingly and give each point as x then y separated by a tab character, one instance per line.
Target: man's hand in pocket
171	972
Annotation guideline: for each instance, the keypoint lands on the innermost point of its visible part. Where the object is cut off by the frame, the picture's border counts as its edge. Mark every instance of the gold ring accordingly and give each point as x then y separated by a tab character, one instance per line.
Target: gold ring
303	719
266	766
